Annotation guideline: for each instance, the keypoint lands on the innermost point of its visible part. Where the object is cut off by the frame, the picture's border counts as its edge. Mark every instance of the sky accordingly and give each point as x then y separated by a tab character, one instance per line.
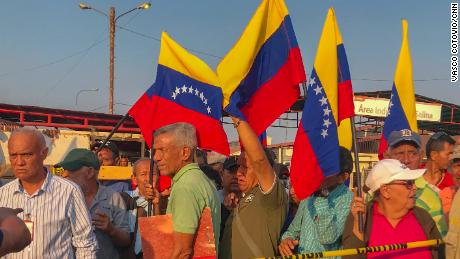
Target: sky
51	50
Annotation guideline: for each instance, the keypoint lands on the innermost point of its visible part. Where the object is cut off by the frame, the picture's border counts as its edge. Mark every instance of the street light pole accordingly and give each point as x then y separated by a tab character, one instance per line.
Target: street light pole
84	90
112	21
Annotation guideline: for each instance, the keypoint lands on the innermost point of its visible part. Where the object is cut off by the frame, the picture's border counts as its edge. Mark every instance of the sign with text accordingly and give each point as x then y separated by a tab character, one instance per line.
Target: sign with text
378	107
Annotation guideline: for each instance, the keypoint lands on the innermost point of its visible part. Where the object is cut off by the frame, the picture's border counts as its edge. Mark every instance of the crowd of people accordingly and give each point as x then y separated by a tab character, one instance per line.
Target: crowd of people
254	210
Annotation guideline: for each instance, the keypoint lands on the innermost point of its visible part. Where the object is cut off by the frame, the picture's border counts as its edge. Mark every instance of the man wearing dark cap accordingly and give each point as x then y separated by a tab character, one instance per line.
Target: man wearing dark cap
107	208
108	155
229	188
405	146
254	226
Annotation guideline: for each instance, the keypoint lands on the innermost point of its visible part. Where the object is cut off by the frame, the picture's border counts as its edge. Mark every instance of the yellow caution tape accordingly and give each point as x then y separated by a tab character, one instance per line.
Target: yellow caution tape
362	250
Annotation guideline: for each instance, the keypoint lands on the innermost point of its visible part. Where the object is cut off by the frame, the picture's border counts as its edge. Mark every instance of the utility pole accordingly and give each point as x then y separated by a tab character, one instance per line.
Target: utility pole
112	22
112	57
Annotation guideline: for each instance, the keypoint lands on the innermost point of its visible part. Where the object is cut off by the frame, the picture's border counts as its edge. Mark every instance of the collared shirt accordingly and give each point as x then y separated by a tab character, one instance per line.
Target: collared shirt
62	226
428	199
319	222
118	186
447	181
408	229
191	192
111	203
141	202
254	227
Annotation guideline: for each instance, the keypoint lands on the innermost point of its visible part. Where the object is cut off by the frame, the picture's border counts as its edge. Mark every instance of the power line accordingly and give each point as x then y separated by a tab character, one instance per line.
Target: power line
72	68
157	39
55	61
106	105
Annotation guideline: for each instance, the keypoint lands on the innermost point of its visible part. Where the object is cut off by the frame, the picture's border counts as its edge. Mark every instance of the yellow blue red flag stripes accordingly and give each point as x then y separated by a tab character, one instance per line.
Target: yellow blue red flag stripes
329	99
401	109
185	90
260	75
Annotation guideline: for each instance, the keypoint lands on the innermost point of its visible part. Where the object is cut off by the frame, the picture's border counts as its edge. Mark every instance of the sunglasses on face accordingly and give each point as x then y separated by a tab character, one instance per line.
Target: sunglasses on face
408	183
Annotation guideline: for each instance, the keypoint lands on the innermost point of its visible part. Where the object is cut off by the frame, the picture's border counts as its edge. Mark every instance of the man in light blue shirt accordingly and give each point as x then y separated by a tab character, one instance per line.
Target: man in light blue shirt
320	219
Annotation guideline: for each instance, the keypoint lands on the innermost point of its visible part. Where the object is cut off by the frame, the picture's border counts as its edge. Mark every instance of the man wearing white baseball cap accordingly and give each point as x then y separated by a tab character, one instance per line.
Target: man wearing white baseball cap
391	217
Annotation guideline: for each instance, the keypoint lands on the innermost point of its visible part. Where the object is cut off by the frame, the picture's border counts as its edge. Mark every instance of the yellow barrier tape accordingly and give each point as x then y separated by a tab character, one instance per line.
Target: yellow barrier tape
362	250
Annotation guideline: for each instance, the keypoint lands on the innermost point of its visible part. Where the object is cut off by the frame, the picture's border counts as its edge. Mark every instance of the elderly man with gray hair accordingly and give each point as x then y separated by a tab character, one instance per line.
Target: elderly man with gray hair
191	191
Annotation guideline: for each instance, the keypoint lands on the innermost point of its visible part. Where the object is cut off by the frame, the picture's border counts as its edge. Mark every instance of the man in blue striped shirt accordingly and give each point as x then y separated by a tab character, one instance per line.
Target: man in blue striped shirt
54	208
320	219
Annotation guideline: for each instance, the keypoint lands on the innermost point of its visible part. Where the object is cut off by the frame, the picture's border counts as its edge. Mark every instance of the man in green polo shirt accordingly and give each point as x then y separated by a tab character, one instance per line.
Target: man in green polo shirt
191	190
254	227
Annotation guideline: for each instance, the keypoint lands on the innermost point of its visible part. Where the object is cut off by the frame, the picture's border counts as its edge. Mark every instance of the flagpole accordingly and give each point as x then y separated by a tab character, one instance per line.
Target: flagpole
304	86
358	172
149	206
113	132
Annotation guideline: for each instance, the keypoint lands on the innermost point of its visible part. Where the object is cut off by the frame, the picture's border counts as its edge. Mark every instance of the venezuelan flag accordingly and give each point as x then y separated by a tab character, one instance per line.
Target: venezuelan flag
329	99
260	75
263	138
345	94
185	90
401	109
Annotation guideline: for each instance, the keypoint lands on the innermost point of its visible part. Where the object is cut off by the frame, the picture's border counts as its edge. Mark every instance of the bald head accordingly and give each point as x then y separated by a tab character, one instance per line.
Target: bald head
35	136
27	151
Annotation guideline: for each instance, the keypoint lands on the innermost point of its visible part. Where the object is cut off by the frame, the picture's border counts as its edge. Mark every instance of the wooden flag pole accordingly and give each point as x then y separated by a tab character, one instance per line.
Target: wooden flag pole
358	171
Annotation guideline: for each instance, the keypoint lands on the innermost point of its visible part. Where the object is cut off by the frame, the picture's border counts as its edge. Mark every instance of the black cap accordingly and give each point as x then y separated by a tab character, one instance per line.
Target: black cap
110	145
230	163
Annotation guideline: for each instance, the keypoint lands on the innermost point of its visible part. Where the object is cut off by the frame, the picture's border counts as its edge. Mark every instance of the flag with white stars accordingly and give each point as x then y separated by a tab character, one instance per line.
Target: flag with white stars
401	108
328	102
185	90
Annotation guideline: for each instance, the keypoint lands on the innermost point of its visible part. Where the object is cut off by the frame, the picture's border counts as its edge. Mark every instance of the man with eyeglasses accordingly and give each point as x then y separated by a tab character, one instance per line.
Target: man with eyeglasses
392	217
405	146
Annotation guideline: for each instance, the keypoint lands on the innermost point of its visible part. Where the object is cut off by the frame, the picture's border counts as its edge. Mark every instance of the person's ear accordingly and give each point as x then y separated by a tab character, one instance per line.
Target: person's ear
134	179
117	160
92	173
44	153
384	192
186	153
434	155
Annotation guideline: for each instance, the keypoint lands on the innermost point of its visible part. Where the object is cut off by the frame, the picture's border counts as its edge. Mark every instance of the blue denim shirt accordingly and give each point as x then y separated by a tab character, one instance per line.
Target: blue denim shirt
319	222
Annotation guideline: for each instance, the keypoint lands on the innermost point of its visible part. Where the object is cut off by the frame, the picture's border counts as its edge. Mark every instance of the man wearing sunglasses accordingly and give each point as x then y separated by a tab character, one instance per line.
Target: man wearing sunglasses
392	217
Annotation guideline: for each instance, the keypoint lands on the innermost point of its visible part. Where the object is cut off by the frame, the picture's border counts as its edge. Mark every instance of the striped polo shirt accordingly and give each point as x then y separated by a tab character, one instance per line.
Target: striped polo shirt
62	226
